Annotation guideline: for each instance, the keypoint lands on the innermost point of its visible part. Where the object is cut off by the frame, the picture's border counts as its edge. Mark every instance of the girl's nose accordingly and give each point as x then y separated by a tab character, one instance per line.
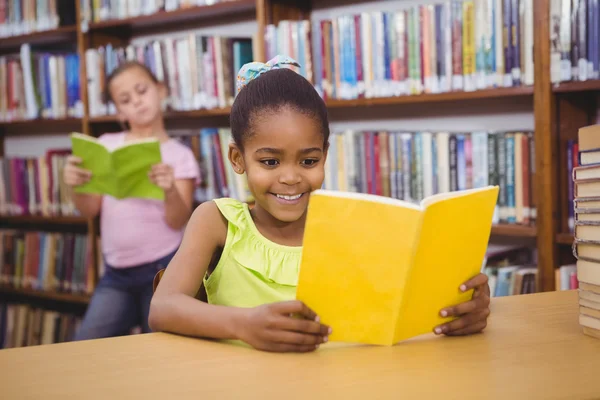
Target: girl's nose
290	176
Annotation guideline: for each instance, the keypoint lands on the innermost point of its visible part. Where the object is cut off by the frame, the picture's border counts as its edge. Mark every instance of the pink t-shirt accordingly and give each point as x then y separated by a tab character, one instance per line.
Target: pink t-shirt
134	231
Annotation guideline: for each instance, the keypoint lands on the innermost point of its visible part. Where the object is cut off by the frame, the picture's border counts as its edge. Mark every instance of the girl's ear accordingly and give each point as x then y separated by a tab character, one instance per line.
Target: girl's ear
236	159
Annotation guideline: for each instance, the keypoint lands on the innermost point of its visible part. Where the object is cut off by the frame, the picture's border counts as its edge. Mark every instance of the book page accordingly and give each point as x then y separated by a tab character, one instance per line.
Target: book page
95	158
452	244
131	165
355	260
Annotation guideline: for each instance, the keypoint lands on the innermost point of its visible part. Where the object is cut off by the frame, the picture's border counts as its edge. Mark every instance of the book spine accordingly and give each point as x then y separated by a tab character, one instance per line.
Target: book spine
453	161
510	178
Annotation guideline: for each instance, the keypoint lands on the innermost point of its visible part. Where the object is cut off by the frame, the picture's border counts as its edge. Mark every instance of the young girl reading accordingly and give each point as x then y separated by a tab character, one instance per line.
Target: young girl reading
139	236
248	259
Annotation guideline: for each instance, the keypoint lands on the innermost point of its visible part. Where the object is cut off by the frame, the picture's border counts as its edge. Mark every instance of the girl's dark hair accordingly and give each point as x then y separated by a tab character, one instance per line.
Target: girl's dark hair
127	65
270	92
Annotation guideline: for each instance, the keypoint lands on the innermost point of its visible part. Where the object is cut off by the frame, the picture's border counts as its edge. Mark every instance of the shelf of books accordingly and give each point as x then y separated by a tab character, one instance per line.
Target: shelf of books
105	17
52	77
26	325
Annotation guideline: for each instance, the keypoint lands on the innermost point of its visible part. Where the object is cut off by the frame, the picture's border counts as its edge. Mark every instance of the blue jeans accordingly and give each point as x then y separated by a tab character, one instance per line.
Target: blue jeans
121	301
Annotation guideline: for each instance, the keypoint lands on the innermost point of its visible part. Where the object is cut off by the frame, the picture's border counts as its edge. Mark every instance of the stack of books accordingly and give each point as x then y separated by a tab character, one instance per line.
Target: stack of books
586	246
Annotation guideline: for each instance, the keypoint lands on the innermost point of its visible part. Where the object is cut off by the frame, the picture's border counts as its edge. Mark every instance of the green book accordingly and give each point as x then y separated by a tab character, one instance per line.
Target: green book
121	173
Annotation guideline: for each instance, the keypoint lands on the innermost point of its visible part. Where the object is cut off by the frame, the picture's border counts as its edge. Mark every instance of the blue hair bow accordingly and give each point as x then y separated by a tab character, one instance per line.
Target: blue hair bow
254	69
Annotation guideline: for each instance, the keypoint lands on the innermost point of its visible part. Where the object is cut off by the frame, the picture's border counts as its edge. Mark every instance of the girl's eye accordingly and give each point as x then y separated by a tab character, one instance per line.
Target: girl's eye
310	162
270	163
142	90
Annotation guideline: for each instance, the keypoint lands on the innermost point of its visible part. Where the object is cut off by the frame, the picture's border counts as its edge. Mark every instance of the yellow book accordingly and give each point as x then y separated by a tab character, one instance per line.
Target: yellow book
379	270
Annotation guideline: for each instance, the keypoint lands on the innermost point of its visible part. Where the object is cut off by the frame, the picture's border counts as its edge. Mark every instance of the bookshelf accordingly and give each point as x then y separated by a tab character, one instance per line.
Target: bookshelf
558	109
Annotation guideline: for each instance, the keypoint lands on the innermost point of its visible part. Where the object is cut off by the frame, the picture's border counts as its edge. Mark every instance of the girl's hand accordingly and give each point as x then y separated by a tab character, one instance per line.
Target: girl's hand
472	314
74	175
162	176
271	327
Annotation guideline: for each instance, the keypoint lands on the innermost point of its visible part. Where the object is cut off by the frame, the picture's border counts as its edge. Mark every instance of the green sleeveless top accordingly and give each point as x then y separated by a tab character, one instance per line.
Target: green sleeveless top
252	269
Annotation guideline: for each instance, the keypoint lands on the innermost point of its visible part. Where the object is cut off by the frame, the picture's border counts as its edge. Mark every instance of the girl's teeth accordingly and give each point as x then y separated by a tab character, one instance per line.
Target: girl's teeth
289	197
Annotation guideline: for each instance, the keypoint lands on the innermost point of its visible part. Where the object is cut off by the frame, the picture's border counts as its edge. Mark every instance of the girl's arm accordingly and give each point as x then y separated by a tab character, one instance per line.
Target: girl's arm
178	203
88	204
174	309
178	195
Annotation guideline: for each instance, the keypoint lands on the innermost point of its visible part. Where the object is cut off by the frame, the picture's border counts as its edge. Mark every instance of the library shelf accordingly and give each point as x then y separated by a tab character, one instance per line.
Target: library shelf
172	115
433	97
74	298
182	15
62	34
565	238
582	86
39	126
42	220
514	230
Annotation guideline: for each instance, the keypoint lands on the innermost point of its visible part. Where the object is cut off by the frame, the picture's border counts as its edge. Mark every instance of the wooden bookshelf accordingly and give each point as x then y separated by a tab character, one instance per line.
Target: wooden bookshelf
186	15
39	126
514	230
46	295
565	238
41	220
434	98
549	104
583	86
63	34
172	115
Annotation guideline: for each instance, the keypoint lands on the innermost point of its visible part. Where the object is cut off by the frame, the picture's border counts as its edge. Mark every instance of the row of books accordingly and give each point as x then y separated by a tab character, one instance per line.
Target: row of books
511	269
586	247
402	165
59	262
575	40
96	11
565	277
210	146
34	186
456	45
511	280
20	17
39	85
198	71
572	163
23	325
414	165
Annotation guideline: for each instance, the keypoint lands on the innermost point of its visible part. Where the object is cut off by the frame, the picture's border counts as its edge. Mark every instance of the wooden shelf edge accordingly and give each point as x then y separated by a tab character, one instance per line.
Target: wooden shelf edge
39	37
183	14
514	230
172	115
565	238
41	220
431	98
583	86
46	295
38	126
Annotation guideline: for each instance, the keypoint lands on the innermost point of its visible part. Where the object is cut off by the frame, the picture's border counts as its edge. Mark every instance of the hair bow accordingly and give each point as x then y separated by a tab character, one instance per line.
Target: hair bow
254	69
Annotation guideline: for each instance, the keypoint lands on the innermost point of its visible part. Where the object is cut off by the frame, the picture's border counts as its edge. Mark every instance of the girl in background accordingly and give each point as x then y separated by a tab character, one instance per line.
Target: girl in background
249	259
139	236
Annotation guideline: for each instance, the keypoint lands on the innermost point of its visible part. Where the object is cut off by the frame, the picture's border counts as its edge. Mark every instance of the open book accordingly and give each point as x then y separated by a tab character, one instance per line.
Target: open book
121	173
379	270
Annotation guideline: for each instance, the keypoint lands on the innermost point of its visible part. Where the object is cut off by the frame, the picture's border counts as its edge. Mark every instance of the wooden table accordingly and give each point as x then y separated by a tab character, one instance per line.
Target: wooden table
533	348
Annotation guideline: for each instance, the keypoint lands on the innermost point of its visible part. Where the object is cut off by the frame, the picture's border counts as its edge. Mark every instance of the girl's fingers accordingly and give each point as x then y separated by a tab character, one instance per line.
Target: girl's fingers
463	322
297	338
476	281
476	327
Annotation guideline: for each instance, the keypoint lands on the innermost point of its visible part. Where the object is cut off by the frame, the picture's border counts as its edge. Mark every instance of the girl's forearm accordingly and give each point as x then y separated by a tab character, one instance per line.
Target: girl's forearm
185	315
88	204
177	212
